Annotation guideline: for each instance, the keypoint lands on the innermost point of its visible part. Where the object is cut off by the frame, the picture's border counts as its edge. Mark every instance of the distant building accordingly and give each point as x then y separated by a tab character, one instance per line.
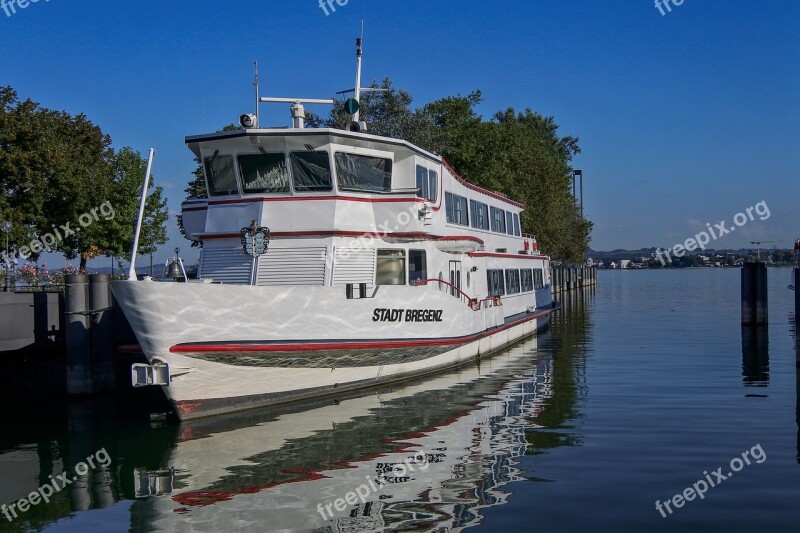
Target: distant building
624	263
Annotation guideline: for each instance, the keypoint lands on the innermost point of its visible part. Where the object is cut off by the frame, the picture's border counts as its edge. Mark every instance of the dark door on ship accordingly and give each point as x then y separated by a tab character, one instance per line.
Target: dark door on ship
455	277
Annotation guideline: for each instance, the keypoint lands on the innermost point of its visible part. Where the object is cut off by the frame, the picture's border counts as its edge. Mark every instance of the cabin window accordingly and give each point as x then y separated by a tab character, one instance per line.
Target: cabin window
311	171
221	175
498	220
417	266
264	173
516	225
433	189
512	281
363	173
423	185
538	278
509	222
496	282
456	208
427	184
526	279
480	214
391	267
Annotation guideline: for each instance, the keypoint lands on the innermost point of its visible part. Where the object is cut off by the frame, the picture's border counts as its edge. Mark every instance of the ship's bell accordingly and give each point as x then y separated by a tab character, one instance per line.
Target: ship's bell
174	271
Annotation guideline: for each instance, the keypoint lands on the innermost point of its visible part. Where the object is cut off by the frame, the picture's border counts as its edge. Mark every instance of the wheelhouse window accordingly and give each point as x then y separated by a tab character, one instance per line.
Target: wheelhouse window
456	208
512	281
417	266
496	282
311	171
509	222
263	173
391	267
221	175
498	220
480	214
517	231
363	173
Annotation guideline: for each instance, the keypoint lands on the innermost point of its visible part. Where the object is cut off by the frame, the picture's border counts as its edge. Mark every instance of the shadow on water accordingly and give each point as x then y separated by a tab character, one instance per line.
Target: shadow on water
571	334
464	431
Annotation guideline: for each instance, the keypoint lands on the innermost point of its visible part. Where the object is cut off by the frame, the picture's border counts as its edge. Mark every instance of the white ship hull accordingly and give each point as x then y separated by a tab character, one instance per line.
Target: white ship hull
236	347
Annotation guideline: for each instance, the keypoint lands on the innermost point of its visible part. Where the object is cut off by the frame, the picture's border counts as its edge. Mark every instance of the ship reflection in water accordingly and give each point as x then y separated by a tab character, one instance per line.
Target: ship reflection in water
426	454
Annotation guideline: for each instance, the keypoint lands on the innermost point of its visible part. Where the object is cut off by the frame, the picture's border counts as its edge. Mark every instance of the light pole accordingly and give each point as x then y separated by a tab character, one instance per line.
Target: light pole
6	228
575	175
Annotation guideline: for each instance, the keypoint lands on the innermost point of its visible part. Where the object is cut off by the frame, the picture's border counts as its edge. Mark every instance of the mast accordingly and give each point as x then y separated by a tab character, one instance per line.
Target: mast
359	51
258	99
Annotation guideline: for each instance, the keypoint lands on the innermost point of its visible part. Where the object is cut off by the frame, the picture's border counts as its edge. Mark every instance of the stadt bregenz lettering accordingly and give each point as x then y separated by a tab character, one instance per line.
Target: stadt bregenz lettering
407	315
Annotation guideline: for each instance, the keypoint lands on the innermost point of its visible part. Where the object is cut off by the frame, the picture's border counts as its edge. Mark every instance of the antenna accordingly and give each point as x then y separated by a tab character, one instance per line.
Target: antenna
258	99
359	53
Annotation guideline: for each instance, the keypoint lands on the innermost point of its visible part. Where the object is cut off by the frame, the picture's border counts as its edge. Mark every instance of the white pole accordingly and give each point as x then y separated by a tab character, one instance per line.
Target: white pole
140	219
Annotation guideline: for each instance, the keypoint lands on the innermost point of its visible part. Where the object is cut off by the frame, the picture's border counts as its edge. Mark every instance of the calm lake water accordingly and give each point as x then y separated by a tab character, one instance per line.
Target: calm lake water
641	387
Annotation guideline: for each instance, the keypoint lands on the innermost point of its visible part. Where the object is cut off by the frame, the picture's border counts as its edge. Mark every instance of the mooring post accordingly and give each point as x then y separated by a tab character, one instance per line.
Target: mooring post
754	294
102	333
76	299
797	295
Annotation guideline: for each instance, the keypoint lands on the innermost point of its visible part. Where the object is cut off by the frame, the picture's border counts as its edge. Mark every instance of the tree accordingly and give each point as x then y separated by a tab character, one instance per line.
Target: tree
65	186
129	169
54	168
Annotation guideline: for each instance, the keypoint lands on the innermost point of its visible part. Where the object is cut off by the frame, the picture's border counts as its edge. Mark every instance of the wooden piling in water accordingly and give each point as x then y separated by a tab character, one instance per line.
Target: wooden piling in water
754	294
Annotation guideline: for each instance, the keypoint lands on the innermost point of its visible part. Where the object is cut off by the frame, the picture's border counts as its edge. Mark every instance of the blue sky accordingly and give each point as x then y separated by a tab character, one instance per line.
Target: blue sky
684	119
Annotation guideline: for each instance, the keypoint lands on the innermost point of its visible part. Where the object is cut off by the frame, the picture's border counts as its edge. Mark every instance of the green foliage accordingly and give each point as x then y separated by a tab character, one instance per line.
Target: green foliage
55	167
129	168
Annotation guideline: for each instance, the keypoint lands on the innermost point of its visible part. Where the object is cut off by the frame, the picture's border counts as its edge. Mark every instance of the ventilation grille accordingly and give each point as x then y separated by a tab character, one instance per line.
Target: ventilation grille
227	265
292	266
353	266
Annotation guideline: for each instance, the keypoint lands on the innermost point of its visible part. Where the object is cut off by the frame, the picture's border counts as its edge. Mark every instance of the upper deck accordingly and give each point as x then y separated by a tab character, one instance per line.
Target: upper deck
304	182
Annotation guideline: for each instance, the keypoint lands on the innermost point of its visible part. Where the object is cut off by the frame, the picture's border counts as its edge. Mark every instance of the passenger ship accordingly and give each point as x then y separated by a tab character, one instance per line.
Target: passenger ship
332	260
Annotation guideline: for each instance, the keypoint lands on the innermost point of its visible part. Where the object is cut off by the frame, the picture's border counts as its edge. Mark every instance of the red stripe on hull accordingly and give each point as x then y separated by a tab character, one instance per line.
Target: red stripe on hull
345	345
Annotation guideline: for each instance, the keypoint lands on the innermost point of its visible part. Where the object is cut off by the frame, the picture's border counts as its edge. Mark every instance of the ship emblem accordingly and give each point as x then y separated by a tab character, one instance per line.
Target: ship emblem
255	239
